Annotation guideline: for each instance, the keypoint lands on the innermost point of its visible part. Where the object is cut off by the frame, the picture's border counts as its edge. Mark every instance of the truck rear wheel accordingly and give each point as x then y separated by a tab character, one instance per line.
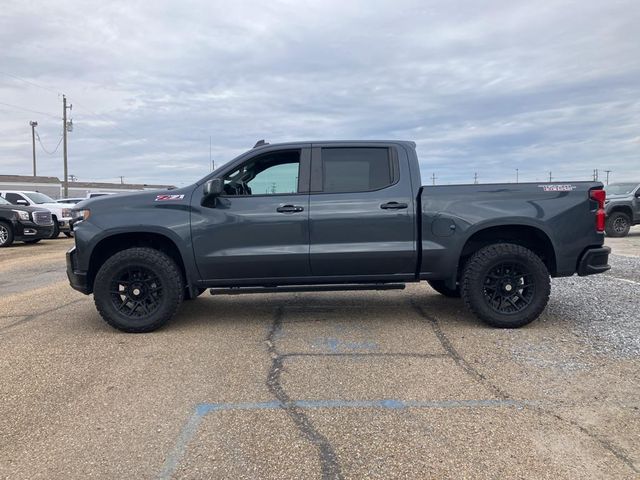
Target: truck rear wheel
618	224
6	234
506	285
138	290
441	287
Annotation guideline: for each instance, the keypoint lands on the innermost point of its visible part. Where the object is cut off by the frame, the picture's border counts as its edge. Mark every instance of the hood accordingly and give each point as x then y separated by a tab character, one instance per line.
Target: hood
611	196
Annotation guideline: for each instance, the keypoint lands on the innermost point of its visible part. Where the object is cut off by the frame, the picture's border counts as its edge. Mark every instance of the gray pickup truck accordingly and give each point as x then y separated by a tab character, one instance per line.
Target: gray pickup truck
321	216
622	207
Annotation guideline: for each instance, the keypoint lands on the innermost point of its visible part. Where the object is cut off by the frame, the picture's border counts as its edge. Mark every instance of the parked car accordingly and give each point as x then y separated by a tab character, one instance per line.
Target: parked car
23	224
334	216
622	208
61	212
76	200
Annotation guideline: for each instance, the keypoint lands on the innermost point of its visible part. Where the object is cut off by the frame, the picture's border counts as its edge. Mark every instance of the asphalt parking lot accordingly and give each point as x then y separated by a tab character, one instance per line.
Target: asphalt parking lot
395	384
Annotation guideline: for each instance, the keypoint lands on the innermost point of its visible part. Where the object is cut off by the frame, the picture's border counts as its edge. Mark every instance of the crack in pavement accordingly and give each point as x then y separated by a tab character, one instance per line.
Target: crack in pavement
328	459
616	451
33	316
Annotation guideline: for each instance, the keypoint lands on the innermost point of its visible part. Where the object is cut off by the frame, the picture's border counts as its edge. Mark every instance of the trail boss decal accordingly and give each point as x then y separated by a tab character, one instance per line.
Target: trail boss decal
557	188
165	198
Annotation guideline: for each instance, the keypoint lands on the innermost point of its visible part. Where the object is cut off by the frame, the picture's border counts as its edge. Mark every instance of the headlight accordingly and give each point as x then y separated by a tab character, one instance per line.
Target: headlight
66	212
80	215
22	215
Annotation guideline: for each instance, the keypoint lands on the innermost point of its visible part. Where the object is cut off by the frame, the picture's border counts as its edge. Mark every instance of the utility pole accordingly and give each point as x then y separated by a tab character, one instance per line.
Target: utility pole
607	172
595	174
213	167
475	177
121	179
65	126
433	178
33	144
550	177
517	179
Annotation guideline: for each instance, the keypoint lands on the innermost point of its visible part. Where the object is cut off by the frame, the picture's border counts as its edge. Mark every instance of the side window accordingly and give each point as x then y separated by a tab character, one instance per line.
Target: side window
270	174
13	197
355	169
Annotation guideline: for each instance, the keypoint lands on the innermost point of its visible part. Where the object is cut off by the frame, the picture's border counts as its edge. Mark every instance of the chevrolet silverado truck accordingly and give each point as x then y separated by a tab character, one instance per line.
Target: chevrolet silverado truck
322	216
622	207
23	224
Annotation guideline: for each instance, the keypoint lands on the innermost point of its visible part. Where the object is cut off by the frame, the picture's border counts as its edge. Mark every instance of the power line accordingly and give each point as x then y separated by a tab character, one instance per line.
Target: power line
28	110
45	150
30	82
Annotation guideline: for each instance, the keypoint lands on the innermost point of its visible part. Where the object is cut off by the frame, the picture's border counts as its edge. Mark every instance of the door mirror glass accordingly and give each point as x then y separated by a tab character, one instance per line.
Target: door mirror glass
213	187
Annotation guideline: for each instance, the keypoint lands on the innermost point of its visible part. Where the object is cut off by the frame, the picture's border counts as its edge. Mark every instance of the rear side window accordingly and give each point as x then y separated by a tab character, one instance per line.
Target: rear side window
13	197
355	169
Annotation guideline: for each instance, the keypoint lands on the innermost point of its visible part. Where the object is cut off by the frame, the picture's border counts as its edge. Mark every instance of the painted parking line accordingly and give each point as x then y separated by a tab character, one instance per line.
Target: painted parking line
191	427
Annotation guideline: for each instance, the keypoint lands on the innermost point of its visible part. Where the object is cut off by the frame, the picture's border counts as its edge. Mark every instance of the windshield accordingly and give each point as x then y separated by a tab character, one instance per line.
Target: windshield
621	188
37	197
4	202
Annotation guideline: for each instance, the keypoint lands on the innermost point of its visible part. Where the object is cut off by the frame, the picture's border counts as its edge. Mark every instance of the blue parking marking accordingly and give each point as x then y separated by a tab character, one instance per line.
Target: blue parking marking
190	428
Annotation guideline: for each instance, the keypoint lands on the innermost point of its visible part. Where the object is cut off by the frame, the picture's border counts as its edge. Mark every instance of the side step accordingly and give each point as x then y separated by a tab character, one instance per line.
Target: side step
307	288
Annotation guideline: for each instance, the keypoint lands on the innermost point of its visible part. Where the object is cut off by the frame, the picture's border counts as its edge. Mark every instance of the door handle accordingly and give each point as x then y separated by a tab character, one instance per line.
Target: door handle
289	209
393	206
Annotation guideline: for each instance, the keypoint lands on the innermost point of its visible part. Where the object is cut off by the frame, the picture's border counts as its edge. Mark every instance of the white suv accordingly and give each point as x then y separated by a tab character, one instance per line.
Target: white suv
61	212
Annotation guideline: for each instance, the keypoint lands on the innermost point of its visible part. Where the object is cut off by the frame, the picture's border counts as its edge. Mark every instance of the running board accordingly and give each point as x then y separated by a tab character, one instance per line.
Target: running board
307	288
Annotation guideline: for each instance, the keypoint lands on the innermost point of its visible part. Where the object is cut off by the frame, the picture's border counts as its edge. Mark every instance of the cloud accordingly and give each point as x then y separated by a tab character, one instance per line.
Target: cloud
481	88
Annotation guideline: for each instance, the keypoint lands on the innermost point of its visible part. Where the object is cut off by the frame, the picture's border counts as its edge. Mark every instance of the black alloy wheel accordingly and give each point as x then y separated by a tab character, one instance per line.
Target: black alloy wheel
506	285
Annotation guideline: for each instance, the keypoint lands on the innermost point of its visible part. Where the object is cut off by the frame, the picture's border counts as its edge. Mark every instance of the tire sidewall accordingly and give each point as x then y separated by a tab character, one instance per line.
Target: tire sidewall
9	230
611	221
477	270
153	260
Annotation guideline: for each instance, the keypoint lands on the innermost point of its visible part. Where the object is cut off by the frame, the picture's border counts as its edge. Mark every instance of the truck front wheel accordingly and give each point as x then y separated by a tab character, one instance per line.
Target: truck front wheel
138	290
506	285
6	234
618	224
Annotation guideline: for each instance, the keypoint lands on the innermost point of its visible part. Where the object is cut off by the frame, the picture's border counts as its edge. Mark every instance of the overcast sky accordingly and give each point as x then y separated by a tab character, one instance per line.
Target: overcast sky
483	87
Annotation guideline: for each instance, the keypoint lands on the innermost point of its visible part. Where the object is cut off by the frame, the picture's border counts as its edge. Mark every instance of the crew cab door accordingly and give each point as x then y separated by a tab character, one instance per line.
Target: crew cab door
258	229
361	212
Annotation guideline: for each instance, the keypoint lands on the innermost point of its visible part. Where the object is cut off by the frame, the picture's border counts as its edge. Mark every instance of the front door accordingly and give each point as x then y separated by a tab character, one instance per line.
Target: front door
259	227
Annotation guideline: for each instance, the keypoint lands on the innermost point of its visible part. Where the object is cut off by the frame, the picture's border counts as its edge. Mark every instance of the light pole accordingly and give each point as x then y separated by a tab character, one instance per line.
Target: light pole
33	144
517	173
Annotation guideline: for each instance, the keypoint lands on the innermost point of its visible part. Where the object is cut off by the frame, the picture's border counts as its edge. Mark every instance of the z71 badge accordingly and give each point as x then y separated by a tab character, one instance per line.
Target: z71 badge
557	188
165	198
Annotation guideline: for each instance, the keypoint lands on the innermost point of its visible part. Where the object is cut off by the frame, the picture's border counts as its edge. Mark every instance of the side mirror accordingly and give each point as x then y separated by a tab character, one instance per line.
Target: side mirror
22	202
638	194
213	187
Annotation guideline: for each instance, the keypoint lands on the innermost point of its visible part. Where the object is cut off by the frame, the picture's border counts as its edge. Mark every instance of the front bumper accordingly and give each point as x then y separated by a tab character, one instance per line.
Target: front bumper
65	225
24	230
77	278
594	260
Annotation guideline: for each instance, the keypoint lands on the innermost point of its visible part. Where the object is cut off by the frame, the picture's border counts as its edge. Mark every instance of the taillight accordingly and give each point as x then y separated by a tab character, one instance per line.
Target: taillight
599	196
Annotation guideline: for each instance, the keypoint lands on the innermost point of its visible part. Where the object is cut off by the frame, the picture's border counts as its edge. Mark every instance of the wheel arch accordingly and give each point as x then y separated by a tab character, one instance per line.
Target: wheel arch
626	209
528	236
112	244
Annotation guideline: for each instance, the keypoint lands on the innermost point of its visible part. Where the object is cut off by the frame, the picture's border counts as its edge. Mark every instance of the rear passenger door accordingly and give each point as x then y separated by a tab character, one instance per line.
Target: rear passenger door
361	212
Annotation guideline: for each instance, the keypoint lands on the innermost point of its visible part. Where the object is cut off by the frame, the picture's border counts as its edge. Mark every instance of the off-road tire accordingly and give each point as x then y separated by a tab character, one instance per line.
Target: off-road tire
477	275
441	287
6	234
618	224
149	259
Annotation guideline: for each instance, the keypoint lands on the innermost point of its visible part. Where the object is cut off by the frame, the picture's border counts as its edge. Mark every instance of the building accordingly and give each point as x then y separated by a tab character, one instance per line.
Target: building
53	187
